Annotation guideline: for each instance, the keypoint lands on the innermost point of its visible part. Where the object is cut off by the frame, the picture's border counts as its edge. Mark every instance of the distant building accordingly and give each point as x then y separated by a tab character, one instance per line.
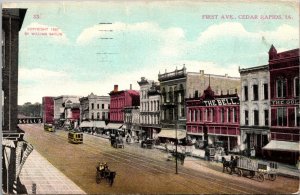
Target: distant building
149	107
94	107
132	121
66	110
15	149
284	101
255	108
177	85
48	110
214	119
119	100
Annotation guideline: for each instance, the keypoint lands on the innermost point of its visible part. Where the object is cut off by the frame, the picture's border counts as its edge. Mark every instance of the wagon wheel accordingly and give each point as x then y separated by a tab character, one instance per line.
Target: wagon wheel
252	173
240	172
272	177
261	177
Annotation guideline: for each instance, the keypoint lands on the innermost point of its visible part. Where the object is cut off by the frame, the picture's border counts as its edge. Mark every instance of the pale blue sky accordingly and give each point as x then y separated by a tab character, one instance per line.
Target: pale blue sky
147	38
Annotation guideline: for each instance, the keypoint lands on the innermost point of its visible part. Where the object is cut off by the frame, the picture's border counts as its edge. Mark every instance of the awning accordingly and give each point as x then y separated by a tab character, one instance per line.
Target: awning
282	146
113	126
86	124
171	133
99	124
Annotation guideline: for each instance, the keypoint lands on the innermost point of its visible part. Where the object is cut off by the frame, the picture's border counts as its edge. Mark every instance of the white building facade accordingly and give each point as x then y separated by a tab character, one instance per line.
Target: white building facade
149	107
255	108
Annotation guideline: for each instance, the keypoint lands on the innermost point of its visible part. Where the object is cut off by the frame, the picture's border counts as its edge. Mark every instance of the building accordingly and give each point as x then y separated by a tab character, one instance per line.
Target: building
284	102
132	122
48	110
150	107
15	149
255	108
177	85
66	110
94	108
119	100
214	119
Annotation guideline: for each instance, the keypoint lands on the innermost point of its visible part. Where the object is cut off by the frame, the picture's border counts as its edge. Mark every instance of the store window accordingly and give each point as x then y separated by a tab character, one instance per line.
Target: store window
281	117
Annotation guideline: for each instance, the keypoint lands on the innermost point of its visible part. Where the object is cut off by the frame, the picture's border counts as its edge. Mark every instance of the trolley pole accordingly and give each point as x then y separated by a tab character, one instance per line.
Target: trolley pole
176	154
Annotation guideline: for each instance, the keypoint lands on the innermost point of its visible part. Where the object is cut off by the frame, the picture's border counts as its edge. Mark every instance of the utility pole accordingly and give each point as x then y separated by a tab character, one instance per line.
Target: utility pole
176	154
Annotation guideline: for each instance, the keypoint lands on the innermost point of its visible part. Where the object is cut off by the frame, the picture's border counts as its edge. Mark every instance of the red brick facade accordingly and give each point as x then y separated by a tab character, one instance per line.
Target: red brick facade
214	118
284	101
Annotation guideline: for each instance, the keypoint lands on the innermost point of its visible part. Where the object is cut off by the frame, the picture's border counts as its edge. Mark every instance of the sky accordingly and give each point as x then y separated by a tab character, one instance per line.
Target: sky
79	47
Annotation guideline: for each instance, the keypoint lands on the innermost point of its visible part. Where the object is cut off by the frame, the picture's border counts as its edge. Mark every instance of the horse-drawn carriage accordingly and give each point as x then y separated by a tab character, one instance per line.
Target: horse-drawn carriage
148	143
260	169
116	141
103	172
244	166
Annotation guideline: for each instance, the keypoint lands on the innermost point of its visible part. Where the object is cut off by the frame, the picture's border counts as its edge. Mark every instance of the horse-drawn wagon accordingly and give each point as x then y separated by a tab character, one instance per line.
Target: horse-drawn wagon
147	143
103	172
260	169
116	141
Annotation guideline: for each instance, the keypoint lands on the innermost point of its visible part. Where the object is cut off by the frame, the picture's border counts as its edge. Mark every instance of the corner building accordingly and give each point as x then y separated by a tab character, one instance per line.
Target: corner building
284	101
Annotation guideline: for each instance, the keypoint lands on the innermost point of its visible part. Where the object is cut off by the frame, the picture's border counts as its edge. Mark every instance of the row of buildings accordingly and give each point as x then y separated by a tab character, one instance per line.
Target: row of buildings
258	110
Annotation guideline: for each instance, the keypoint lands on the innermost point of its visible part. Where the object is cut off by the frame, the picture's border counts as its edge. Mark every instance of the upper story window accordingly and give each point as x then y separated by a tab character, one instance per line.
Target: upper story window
255	92
281	88
256	117
297	116
266	112
92	105
296	87
228	115
246	93
234	115
246	117
222	115
102	106
266	91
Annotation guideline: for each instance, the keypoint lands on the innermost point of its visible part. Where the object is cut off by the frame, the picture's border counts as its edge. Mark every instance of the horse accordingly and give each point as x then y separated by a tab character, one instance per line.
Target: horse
226	164
105	174
232	164
111	177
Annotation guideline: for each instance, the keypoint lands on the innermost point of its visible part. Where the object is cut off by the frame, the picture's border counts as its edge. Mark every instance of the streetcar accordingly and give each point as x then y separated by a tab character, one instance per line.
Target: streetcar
49	127
75	137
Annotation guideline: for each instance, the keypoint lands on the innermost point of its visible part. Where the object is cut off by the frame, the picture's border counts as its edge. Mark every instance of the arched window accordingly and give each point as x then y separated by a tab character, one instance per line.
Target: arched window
92	116
296	87
98	115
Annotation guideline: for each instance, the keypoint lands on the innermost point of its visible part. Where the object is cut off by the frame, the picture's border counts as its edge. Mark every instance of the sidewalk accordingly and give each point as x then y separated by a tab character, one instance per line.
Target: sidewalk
48	180
283	169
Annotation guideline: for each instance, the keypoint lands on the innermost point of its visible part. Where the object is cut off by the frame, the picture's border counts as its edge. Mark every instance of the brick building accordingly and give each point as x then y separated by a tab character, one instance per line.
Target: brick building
177	85
255	108
150	107
284	101
48	110
15	149
214	119
119	100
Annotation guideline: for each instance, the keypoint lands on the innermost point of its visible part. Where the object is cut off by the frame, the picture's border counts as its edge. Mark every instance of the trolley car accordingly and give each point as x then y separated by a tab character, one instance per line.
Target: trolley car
49	127
75	137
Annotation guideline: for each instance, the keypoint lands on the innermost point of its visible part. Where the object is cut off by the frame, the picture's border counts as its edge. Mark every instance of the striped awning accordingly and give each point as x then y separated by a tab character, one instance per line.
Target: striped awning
113	126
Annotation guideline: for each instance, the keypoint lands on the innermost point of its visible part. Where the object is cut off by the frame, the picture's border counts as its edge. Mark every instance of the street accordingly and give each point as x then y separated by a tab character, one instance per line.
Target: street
141	170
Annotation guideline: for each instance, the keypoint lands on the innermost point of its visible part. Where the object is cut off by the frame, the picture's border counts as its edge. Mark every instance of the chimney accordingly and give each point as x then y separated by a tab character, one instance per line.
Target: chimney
202	72
130	87
115	88
226	75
